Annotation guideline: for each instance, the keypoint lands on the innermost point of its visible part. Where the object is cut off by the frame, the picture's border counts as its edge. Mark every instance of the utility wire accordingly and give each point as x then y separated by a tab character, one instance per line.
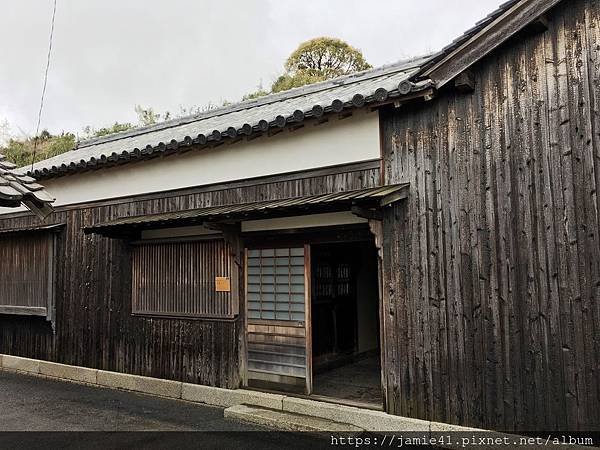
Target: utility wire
39	118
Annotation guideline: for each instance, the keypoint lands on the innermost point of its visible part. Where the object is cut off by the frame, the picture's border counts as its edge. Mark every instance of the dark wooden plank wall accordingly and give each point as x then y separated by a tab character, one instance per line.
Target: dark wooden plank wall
493	264
94	327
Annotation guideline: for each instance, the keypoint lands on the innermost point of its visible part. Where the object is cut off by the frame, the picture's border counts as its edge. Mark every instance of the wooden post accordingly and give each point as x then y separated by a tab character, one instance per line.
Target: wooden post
376	228
232	233
52	279
243	333
539	25
308	318
465	82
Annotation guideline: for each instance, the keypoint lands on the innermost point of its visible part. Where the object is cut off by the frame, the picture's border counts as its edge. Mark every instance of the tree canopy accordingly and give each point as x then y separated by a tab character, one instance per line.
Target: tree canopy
317	60
326	57
21	151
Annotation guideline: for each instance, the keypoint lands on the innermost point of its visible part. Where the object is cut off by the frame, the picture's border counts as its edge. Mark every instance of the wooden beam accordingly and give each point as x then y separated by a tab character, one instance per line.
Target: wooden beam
400	194
489	38
376	228
23	310
429	96
233	236
465	82
371	214
539	25
397	102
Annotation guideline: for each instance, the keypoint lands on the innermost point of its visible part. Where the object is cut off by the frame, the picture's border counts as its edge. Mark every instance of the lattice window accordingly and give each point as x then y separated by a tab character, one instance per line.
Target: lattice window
27	263
276	284
179	279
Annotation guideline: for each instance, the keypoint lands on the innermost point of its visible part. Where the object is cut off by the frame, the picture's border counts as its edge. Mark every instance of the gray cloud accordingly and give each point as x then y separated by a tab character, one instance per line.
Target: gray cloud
110	55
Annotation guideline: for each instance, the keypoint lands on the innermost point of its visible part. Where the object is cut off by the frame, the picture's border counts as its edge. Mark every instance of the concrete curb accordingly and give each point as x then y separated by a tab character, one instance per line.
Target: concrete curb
287	421
362	418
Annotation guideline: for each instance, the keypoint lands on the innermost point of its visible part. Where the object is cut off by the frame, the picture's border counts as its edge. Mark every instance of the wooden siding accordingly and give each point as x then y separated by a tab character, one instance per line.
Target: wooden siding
277	350
94	325
492	267
26	270
178	279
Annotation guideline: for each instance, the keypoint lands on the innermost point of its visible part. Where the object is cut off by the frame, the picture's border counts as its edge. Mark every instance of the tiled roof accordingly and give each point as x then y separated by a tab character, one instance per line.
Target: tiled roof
257	116
18	189
480	25
245	118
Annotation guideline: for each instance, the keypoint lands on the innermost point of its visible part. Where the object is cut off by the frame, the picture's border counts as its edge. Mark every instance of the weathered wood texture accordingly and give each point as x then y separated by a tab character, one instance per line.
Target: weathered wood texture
94	326
25	275
492	267
178	279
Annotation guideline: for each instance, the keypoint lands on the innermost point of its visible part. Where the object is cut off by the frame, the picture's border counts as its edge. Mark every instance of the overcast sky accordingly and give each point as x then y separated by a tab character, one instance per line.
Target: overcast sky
110	55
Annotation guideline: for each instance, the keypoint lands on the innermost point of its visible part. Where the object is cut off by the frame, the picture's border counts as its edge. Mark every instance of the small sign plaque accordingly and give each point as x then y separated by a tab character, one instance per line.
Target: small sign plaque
222	284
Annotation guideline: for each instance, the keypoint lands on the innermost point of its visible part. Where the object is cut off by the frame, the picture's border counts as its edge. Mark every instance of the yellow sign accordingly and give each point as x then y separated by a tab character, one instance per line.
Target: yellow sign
222	284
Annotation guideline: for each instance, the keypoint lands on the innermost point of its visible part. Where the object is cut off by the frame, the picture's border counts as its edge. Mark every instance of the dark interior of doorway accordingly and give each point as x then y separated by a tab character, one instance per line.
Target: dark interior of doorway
345	322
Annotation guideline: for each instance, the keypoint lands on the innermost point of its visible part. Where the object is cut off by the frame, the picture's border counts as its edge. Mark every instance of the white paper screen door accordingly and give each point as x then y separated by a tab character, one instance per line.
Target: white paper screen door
278	317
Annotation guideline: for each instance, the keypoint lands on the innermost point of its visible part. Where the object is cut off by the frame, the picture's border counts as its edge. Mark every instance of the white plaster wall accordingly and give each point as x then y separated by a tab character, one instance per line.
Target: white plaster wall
308	221
280	223
339	142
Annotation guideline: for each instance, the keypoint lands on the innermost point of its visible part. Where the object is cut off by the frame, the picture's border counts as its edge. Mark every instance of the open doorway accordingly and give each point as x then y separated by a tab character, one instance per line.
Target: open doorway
345	322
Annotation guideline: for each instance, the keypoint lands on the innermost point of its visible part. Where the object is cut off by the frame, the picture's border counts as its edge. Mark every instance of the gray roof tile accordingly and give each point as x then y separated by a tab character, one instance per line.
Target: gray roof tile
17	189
257	115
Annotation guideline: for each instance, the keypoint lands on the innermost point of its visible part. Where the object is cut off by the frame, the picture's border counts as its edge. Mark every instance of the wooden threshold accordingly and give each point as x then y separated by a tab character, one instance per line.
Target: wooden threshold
322	398
341	401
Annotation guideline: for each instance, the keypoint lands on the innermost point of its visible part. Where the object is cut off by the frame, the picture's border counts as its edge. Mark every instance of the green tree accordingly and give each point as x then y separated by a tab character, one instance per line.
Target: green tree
289	81
316	60
91	132
25	151
254	95
326	57
147	116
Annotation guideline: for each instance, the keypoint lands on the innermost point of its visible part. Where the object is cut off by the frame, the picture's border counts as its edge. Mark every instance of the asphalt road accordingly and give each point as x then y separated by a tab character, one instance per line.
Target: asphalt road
68	415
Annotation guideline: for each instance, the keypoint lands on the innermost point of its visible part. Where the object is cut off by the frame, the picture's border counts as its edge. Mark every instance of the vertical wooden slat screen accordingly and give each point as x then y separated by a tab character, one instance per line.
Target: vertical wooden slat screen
178	279
25	273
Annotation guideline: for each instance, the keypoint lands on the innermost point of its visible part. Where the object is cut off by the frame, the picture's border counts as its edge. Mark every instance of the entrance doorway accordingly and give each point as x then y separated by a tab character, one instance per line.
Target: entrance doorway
312	317
345	322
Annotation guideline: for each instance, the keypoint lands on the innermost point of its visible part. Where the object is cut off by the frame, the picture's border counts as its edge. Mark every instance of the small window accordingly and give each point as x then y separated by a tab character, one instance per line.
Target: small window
27	268
187	278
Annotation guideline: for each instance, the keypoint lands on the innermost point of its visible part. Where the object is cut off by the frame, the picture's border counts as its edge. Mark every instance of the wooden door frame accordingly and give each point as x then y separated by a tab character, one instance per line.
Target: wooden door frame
308	317
376	227
243	357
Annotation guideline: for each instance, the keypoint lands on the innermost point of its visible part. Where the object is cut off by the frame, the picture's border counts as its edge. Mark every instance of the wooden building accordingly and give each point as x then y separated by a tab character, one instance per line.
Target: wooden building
18	189
429	230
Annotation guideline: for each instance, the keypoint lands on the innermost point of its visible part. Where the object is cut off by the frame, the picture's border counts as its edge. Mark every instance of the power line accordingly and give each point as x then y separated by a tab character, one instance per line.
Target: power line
39	118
